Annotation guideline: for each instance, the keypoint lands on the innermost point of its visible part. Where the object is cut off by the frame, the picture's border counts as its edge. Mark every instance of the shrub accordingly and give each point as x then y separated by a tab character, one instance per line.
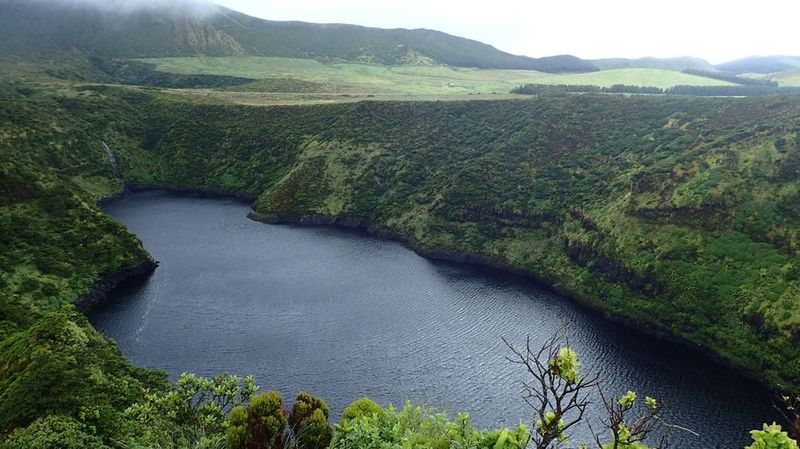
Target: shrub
53	432
314	432
309	422
266	421
304	406
414	426
771	437
362	407
236	433
195	405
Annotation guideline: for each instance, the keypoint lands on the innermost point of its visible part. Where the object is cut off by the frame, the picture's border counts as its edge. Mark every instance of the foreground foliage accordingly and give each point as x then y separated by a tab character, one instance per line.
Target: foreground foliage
771	437
65	384
413	426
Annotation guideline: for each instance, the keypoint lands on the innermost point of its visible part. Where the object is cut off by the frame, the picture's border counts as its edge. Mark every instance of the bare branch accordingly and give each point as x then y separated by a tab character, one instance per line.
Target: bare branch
558	400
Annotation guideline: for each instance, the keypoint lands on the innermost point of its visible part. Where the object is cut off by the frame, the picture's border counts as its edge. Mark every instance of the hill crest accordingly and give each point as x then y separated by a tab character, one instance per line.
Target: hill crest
181	28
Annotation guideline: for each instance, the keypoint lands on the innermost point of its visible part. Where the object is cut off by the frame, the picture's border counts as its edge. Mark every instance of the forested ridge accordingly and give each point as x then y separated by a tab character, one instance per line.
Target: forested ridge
679	214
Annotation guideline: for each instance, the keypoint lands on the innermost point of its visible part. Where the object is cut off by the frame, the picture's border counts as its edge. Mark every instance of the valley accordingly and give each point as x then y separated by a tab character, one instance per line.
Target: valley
477	185
650	203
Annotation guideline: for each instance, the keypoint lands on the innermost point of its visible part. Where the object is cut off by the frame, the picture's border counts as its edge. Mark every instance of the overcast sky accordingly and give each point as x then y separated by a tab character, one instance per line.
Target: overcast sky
715	30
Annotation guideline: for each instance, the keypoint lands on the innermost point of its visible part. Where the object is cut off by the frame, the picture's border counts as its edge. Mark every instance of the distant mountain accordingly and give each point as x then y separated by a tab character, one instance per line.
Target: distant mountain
163	29
761	64
679	64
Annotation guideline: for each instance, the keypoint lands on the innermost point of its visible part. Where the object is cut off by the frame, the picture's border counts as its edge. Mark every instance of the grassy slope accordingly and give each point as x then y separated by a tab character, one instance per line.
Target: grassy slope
39	269
787	78
416	79
678	64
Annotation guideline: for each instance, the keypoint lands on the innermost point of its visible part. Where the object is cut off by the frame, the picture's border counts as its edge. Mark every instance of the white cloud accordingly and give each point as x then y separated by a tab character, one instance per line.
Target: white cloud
125	6
714	30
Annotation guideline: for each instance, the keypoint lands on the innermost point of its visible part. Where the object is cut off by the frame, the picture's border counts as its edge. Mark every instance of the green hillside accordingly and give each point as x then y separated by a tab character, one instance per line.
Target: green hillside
674	212
761	64
608	198
678	64
186	28
787	78
677	215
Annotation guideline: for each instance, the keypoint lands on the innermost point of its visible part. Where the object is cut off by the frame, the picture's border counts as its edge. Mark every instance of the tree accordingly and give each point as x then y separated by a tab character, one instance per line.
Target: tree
558	393
193	409
631	433
791	413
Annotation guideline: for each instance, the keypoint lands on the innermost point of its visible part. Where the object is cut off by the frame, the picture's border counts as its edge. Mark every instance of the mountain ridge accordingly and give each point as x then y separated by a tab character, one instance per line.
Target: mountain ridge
679	63
177	29
761	64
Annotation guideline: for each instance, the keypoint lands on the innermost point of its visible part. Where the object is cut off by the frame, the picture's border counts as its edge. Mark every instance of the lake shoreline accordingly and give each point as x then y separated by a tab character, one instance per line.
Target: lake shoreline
202	192
363	224
295	293
652	330
110	282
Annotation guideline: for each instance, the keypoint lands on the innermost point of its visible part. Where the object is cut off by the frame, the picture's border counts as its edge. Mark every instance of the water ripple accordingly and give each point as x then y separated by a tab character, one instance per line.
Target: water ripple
345	315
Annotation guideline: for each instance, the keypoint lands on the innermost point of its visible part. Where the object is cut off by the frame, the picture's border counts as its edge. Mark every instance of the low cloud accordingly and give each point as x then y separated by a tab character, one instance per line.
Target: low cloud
126	6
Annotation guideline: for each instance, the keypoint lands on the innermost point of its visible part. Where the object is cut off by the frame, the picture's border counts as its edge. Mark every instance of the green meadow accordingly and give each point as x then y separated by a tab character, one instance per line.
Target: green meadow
411	80
788	78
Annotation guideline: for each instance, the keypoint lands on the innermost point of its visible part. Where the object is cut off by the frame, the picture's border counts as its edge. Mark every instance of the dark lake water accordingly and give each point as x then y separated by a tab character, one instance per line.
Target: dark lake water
345	315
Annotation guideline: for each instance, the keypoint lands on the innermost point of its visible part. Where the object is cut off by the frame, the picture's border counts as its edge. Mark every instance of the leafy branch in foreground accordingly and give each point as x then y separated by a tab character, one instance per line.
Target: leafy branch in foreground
197	404
790	410
559	396
627	432
771	437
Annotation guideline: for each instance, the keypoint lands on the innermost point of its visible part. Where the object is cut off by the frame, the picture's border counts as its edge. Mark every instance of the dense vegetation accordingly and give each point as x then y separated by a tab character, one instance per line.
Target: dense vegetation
187	28
609	198
676	213
749	89
732	91
124	71
735	79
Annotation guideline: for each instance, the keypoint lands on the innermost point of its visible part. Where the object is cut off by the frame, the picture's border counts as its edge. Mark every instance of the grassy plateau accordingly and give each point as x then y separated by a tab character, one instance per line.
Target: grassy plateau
413	80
